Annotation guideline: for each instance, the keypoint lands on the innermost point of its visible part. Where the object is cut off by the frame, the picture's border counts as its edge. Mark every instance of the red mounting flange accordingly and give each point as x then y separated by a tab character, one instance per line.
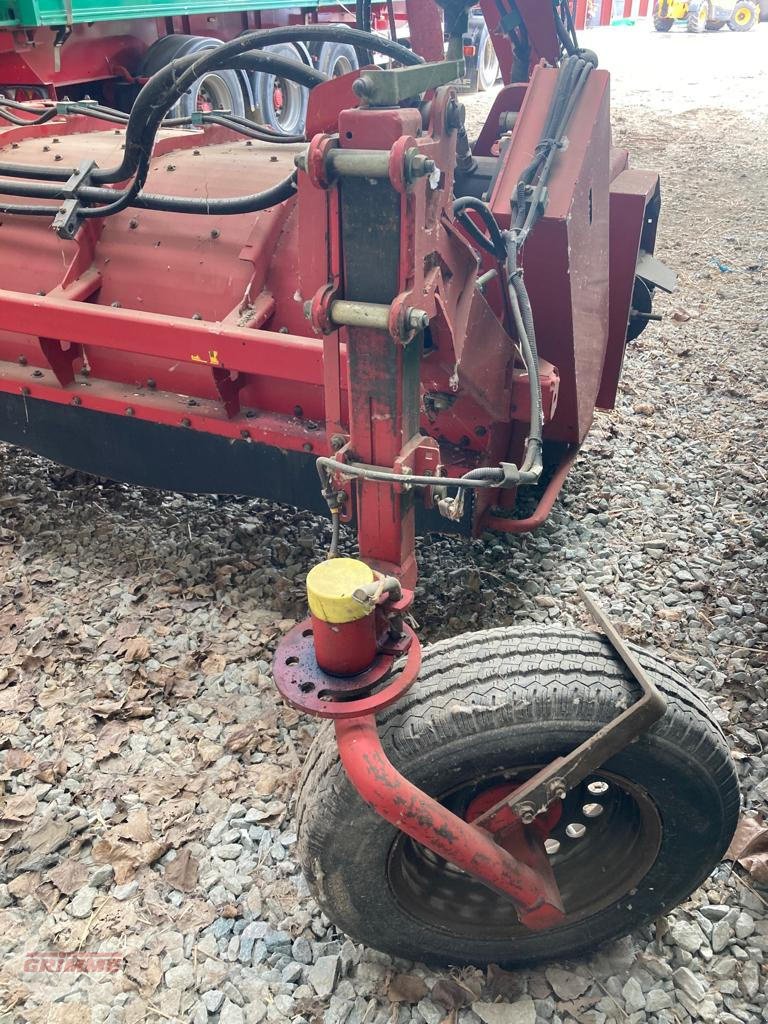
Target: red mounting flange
304	685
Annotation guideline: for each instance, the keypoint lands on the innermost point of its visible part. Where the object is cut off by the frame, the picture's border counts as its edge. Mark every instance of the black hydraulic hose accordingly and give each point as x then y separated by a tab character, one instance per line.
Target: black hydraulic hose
148	201
562	32
239	204
272	64
169	84
23	121
494	241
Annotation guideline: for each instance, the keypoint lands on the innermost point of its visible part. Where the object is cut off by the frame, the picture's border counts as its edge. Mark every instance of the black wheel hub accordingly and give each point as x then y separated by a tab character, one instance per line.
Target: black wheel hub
605	841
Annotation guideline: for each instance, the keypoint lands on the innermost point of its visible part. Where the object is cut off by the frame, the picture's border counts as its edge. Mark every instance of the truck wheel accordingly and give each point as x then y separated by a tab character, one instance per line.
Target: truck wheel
220	90
662	24
337	59
283	104
698	19
634	839
744	17
487	62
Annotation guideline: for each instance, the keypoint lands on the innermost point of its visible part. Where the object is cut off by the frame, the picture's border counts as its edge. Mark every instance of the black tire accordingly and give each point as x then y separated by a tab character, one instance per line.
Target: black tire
698	18
162	52
289	118
744	17
486	704
487	62
337	59
662	24
223	87
714	26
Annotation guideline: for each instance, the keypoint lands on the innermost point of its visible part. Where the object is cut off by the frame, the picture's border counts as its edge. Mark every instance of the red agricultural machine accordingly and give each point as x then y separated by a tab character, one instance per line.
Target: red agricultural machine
405	326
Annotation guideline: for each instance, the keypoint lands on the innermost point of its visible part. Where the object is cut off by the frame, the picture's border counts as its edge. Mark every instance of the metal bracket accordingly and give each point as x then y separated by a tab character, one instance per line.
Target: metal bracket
68	219
388	88
553	782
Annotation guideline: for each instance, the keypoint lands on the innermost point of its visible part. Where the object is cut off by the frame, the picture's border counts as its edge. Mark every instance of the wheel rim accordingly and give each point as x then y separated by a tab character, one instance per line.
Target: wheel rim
287	105
742	16
594	867
342	66
213	94
490	62
703	15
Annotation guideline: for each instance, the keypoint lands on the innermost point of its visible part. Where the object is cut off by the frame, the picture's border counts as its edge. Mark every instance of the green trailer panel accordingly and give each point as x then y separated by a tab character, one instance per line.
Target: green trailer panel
31	13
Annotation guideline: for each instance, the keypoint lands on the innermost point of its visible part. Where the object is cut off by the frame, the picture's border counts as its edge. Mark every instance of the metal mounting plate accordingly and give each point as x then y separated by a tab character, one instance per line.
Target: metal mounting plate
387	88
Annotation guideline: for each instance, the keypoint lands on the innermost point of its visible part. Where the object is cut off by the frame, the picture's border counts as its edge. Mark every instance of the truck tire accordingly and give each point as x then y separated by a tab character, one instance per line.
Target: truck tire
282	104
698	18
714	26
635	838
220	90
487	62
744	17
662	24
337	59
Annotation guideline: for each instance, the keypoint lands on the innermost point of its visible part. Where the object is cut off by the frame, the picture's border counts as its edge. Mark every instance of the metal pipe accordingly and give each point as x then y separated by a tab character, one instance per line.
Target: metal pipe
372	314
414	812
543	508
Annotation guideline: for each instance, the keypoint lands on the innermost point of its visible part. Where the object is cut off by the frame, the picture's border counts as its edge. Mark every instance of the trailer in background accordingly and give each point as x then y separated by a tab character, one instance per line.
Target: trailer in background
106	49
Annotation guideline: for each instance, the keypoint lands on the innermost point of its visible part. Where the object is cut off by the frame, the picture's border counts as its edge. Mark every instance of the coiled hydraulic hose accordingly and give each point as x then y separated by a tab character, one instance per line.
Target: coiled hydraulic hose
159	95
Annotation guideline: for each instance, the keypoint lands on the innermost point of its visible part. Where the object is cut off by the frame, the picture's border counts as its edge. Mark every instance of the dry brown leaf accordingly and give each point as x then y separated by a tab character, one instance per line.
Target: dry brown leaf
406	988
17	760
155	789
136	828
19	808
144	971
69	876
110	739
181	873
209	751
136	649
24	884
503	984
749	847
184	688
241	738
214	664
452	994
127	629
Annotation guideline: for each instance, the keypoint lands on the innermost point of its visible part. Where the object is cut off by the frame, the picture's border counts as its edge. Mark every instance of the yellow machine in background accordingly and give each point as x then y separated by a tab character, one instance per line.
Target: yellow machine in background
705	15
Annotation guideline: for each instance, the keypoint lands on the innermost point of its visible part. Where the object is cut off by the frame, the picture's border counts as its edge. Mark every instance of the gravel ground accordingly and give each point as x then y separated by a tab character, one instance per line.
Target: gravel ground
149	767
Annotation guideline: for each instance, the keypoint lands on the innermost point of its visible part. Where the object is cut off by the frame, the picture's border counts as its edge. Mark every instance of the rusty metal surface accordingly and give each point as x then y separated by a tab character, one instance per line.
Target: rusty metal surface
304	685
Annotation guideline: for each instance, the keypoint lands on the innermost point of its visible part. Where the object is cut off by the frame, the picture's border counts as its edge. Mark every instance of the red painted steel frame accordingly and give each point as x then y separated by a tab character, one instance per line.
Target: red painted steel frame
414	812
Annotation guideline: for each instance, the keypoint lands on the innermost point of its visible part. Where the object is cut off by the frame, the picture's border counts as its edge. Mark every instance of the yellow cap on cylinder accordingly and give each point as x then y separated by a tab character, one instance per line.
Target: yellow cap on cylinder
330	586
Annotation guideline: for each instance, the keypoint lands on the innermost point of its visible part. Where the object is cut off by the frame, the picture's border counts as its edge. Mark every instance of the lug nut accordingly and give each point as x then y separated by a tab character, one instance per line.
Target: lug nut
527	813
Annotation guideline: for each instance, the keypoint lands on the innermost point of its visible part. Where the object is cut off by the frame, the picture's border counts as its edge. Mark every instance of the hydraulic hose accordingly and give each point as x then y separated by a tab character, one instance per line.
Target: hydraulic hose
169	84
505	246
